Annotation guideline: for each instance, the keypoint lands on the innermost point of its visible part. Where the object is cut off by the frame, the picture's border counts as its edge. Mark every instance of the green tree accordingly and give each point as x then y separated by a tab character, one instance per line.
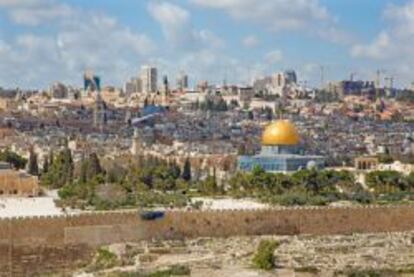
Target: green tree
310	179
187	170
94	166
174	170
60	172
386	181
209	185
51	157
13	158
83	173
33	165
45	167
68	165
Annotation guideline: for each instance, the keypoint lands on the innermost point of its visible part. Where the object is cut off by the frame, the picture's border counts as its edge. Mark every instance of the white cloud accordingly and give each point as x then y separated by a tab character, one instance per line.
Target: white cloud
82	40
35	12
250	41
282	15
392	47
176	25
277	14
376	50
174	21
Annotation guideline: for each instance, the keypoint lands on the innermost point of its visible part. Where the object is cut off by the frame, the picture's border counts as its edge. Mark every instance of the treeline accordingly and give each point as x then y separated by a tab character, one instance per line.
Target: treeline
313	187
389	182
146	181
305	187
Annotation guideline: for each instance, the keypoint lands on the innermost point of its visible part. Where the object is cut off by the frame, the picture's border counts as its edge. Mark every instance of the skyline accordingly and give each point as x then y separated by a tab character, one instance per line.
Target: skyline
43	41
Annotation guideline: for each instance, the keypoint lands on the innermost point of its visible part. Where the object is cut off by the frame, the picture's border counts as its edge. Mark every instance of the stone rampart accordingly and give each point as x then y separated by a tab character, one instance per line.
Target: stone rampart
30	246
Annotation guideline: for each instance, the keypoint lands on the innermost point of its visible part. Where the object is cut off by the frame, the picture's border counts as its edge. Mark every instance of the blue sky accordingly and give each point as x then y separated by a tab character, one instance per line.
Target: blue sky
43	41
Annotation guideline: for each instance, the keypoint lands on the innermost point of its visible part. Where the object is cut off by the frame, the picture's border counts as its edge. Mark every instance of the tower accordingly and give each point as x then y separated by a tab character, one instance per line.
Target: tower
91	82
182	81
149	79
136	143
165	86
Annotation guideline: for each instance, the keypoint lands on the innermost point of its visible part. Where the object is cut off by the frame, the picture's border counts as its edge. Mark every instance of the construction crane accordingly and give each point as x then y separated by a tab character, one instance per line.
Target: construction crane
390	79
352	76
378	80
322	68
390	88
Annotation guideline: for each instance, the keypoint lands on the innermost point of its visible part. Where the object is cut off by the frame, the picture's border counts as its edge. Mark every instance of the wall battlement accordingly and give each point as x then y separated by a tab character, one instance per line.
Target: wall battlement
51	239
129	212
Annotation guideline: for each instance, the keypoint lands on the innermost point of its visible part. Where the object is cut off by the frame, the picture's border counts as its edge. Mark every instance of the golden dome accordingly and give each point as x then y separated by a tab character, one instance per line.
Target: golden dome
281	132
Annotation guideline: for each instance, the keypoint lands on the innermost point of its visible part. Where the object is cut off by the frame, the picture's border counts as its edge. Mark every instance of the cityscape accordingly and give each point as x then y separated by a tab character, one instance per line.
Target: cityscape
206	138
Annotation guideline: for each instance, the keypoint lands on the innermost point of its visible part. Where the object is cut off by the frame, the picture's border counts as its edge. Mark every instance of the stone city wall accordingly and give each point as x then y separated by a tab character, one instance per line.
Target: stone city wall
31	246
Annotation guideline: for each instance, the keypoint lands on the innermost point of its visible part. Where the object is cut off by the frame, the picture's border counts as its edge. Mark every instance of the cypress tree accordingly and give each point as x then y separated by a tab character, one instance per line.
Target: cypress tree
33	166
84	171
51	157
187	170
94	167
45	167
67	164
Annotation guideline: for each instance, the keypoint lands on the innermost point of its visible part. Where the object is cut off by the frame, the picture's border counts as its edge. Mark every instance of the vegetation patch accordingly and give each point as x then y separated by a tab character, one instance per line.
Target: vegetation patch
307	269
368	273
264	258
176	270
104	259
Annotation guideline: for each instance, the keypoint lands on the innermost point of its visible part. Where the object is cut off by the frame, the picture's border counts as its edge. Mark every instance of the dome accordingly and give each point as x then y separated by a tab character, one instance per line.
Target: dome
281	132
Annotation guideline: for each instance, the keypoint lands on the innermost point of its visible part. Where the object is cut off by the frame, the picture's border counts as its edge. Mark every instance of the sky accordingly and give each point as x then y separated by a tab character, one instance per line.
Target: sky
44	41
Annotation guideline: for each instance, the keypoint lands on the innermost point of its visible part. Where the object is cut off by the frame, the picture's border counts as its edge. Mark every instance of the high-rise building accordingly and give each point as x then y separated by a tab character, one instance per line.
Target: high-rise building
149	79
291	76
91	82
182	81
132	86
281	84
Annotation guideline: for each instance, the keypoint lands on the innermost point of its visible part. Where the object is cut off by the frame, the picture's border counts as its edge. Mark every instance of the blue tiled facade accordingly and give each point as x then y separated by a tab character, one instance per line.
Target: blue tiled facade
280	159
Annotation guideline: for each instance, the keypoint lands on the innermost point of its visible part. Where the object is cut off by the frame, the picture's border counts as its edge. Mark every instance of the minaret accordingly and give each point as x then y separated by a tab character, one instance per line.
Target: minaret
136	143
165	91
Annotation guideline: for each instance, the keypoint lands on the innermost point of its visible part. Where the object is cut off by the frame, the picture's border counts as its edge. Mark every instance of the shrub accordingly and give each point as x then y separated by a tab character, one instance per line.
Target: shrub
263	259
318	200
363	197
293	199
175	270
104	259
369	273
